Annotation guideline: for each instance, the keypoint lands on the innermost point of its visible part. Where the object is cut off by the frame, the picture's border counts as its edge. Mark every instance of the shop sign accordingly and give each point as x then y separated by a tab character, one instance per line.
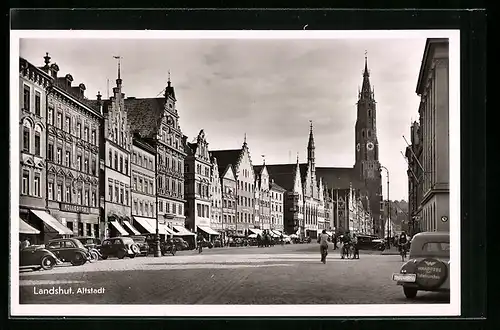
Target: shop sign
74	208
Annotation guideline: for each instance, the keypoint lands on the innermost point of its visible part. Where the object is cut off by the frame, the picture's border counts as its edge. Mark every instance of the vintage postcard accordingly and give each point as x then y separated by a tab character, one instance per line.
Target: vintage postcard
235	173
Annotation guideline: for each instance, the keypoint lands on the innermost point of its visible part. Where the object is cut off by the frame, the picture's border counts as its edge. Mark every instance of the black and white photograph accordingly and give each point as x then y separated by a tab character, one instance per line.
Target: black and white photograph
235	173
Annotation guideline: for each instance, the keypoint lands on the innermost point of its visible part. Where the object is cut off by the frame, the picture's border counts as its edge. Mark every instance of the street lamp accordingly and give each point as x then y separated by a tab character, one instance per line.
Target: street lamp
388	209
157	235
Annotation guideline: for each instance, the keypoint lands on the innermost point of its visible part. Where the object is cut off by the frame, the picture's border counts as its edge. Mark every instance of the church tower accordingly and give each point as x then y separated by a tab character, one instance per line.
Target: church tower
367	166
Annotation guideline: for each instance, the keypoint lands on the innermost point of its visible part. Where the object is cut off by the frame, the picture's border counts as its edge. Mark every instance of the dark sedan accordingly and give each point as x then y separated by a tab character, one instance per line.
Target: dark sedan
36	257
69	250
141	242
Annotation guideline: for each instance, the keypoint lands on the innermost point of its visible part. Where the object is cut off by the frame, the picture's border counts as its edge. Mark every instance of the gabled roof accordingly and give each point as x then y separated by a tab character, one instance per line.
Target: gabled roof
222	172
145	115
276	187
282	174
225	158
337	177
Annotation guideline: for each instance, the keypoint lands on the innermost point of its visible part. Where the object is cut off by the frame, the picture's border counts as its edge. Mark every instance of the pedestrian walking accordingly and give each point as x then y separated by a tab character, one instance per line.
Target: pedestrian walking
323	245
334	238
25	243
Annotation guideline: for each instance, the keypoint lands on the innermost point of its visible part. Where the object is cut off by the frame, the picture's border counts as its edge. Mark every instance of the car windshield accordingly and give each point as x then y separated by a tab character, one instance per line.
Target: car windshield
79	244
436	247
430	248
87	240
139	239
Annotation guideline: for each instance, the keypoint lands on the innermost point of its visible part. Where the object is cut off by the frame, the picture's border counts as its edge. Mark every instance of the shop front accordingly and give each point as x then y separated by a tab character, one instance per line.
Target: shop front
185	234
80	220
208	233
48	226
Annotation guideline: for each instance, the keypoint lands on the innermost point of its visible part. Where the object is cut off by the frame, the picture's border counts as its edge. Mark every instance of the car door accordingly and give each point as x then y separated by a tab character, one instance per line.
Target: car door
27	257
117	246
70	249
106	248
55	247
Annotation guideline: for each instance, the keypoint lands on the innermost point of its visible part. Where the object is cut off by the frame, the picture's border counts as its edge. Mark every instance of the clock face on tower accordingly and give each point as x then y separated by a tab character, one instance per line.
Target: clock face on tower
370	146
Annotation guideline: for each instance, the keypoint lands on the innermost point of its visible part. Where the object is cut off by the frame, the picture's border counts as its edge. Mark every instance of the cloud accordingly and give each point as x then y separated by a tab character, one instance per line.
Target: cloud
269	89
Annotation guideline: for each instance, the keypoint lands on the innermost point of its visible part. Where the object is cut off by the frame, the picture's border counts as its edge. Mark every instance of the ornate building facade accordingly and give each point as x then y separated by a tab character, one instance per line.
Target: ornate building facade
33	85
415	178
73	137
156	121
245	184
216	196
143	170
262	186
229	199
197	179
277	206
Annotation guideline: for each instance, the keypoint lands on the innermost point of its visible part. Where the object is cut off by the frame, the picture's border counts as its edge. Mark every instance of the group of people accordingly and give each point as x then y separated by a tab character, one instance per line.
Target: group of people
347	241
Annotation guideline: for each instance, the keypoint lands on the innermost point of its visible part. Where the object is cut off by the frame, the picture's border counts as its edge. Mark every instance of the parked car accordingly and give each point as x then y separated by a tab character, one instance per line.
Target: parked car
287	239
69	250
119	247
140	240
36	257
217	242
206	244
180	244
368	242
89	241
428	266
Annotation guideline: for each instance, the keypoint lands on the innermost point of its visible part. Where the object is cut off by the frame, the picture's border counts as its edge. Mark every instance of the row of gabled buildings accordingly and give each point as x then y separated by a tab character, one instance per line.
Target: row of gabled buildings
122	166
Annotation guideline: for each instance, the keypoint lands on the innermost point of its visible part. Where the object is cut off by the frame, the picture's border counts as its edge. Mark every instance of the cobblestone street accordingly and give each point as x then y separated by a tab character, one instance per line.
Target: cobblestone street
291	274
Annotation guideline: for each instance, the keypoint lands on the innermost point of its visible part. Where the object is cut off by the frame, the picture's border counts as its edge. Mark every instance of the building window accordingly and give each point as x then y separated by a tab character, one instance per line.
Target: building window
79	162
126	197
141	206
86	133
79	196
94	167
37	103
135	207
26	139
50	115
68	159
121	164
110	159
180	209
117	196
50	190
59	192
26	182
93	137
121	196
67	126
167	207
79	130
59	120
174	210
116	161
27	94
37	185
140	185
126	165
37	144
86	197
59	155
93	199
68	194
135	183
110	193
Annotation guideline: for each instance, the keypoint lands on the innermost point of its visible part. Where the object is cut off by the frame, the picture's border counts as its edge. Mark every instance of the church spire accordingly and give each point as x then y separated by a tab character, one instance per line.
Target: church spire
169	90
366	91
119	80
311	148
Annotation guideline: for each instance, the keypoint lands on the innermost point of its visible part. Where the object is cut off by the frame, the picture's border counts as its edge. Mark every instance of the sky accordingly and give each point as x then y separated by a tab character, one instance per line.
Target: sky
268	89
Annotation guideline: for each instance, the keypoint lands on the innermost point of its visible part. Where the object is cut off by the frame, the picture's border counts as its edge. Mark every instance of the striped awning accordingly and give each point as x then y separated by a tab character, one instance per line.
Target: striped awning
181	231
24	228
144	222
208	230
52	222
119	227
255	231
131	228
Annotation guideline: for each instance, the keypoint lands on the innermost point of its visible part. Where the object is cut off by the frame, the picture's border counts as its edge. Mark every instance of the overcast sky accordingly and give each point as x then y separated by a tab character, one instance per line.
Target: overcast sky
269	89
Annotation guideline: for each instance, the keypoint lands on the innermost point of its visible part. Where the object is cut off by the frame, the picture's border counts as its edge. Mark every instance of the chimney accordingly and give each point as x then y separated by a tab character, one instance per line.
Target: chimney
69	80
82	89
54	69
47	62
99	101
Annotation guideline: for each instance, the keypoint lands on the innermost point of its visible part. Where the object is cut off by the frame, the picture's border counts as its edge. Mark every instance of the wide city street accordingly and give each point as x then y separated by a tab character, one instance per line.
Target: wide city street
290	274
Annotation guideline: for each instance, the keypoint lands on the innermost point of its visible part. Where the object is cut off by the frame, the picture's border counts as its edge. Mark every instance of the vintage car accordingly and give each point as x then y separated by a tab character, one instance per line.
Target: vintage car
140	240
119	247
36	257
428	266
69	250
89	241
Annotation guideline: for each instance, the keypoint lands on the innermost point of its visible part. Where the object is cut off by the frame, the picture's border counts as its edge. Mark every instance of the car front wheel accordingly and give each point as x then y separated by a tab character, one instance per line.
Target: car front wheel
48	262
410	293
78	259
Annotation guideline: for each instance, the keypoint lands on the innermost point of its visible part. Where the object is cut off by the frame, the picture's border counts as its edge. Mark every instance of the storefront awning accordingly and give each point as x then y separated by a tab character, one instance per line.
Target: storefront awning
181	231
208	230
273	234
163	229
144	222
255	231
277	232
119	227
52	222
131	228
24	228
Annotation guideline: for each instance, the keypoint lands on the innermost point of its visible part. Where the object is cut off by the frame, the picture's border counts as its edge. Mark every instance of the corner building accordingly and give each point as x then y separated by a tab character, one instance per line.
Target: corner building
33	85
